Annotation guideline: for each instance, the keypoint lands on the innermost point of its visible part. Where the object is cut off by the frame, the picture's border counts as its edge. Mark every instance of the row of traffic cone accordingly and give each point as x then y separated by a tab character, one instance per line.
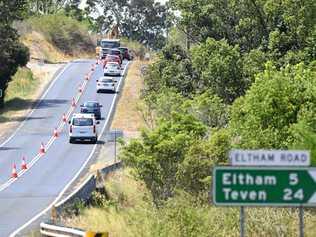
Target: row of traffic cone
42	151
14	173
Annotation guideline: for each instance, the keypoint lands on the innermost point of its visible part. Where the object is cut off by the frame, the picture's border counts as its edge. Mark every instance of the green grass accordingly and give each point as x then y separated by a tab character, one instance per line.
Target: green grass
22	85
129	212
19	93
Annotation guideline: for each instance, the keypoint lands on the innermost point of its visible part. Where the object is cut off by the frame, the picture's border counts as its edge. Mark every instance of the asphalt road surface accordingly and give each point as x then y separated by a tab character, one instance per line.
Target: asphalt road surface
47	176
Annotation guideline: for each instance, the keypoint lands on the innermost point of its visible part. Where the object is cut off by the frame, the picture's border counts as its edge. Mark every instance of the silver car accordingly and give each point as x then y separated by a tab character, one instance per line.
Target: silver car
112	69
106	84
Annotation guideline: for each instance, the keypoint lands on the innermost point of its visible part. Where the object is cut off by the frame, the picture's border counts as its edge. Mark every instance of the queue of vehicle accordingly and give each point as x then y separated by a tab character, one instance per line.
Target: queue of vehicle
83	125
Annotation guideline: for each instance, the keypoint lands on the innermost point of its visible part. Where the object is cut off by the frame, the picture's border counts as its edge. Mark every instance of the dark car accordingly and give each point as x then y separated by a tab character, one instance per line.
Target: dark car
125	52
91	107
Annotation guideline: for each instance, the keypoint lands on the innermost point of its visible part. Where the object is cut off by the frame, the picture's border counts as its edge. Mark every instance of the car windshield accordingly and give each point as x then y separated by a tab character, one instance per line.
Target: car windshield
82	122
90	104
109	44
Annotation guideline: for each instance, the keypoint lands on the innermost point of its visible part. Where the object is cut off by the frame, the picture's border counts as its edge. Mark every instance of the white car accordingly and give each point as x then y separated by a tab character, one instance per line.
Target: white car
112	69
106	84
82	128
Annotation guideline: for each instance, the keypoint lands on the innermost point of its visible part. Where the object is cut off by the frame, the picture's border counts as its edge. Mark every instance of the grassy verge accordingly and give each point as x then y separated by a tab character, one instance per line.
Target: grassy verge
19	93
128	211
127	115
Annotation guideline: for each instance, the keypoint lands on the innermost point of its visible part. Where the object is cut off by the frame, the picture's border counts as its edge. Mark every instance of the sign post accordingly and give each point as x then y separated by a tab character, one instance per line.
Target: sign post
266	178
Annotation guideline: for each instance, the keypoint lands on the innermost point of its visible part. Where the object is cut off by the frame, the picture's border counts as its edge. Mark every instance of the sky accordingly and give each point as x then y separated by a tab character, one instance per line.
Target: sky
83	2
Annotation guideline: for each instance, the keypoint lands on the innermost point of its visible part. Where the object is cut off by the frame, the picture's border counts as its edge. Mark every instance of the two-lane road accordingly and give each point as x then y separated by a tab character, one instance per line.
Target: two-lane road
42	184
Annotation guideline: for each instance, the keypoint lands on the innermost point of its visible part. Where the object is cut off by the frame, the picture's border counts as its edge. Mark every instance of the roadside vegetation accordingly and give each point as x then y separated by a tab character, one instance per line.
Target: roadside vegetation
127	210
234	75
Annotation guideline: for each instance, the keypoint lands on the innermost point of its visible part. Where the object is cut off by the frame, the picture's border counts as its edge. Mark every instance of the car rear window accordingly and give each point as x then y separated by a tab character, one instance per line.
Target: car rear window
112	57
112	65
90	104
82	122
115	52
107	80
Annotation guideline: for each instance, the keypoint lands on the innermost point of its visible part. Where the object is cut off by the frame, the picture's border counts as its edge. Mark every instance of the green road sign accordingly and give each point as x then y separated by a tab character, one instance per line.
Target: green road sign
255	186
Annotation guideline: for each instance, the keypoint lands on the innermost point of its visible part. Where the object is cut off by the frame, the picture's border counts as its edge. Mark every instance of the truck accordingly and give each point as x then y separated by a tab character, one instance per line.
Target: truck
107	43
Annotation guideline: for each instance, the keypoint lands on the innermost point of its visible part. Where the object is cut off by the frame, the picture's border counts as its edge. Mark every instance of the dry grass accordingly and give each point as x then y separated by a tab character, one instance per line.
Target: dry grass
119	216
127	116
129	212
26	86
40	48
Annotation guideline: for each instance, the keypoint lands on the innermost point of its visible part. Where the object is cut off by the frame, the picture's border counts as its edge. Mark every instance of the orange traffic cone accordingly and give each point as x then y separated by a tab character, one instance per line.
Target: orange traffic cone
73	102
55	132
23	165
87	77
14	173
64	118
42	148
93	67
80	89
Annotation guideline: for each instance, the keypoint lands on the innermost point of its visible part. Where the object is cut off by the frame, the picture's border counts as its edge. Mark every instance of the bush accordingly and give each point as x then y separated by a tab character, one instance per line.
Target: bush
67	34
278	100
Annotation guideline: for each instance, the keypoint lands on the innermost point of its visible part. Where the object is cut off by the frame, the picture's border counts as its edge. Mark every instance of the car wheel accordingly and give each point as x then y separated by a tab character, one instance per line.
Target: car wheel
98	91
71	140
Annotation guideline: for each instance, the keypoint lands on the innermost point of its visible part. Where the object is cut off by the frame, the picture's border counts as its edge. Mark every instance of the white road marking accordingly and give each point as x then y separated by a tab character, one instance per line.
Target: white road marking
79	171
49	143
32	111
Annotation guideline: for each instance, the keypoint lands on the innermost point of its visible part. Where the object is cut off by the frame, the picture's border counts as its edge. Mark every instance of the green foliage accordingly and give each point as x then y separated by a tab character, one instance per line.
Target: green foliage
176	37
67	34
143	21
12	53
263	118
253	63
220	68
277	26
45	7
173	69
220	145
157	155
208	108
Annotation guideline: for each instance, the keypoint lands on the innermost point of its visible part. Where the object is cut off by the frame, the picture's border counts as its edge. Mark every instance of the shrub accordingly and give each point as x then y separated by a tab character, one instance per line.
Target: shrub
67	34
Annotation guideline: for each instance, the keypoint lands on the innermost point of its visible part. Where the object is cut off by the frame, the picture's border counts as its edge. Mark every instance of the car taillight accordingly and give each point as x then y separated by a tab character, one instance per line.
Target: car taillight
94	130
70	129
99	84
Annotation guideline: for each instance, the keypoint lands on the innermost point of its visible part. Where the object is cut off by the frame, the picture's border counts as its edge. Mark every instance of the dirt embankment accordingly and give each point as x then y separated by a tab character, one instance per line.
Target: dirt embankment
30	82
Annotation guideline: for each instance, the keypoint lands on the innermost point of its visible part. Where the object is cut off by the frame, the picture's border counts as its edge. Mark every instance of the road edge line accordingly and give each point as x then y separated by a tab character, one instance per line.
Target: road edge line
14	233
37	104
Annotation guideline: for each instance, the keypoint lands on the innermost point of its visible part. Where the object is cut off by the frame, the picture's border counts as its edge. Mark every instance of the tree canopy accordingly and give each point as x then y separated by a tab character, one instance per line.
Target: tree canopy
140	20
12	53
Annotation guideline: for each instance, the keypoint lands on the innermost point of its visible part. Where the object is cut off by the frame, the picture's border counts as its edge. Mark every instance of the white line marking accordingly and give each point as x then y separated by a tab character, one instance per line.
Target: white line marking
49	143
31	112
78	173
